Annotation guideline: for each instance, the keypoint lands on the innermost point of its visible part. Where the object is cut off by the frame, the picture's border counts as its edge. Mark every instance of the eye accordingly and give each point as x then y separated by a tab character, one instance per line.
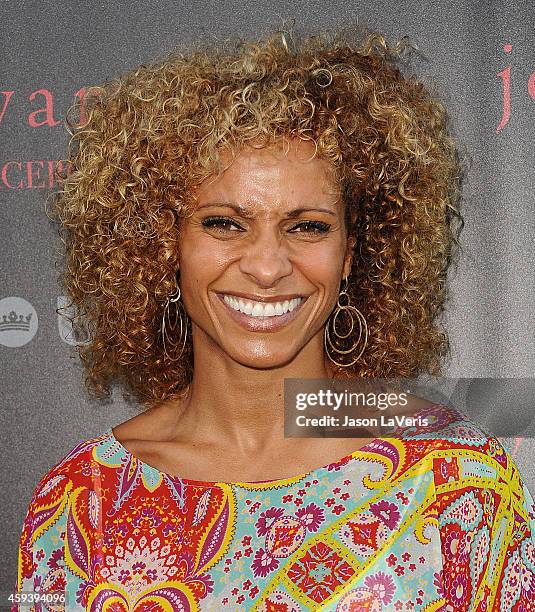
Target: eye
312	227
224	224
221	224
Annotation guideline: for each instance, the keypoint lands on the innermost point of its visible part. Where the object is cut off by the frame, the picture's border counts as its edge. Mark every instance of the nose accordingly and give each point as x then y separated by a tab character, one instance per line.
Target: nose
265	259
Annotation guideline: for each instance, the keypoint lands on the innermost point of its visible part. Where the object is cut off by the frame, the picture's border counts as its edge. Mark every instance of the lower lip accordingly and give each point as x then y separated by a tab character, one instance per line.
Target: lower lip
264	324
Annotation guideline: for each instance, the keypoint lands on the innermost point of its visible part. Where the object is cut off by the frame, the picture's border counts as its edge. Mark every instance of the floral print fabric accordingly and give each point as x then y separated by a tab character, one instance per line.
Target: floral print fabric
435	518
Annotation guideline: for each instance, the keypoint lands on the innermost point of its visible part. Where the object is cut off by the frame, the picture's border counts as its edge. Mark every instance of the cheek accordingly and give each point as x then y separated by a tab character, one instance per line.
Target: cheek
200	255
324	265
200	269
197	271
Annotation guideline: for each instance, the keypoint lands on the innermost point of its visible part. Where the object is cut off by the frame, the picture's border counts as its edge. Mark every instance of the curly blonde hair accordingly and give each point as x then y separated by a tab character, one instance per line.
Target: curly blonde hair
153	134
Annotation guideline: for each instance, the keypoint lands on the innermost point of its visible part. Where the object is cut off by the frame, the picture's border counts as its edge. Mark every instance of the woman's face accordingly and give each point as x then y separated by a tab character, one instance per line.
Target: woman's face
262	256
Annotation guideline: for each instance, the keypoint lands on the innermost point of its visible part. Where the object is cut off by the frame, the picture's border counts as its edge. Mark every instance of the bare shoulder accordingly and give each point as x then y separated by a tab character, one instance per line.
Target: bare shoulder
149	426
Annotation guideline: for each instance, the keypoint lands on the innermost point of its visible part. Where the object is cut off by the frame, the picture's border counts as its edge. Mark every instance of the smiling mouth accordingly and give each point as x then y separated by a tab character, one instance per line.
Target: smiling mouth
261	316
253	308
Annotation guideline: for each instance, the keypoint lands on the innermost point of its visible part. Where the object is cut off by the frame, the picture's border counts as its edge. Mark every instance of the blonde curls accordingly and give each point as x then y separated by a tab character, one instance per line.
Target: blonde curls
155	133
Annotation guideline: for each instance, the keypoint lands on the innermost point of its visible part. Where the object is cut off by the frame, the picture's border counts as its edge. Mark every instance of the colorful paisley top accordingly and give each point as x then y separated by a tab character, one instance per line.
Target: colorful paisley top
436	518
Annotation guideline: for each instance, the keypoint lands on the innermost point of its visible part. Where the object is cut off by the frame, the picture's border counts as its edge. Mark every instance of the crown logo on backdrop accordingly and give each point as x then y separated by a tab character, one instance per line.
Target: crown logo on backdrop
13	321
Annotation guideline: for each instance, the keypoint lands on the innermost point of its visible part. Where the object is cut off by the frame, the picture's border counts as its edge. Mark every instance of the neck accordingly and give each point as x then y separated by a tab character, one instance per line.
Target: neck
232	405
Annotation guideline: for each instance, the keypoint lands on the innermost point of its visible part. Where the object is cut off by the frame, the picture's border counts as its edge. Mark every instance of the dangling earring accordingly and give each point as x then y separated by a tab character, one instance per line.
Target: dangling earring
168	327
343	305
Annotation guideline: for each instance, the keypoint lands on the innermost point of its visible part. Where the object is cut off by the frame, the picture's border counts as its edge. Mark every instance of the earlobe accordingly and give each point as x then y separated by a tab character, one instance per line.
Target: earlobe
347	266
348	262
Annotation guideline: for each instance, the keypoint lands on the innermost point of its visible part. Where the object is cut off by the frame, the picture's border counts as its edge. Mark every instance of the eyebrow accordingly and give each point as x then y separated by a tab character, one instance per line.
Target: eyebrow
248	215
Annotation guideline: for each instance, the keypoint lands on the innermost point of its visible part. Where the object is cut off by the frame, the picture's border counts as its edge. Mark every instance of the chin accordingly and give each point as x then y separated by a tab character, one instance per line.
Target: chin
264	360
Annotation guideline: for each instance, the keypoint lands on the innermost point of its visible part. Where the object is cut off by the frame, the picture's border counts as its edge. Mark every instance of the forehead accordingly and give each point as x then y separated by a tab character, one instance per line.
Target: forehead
287	170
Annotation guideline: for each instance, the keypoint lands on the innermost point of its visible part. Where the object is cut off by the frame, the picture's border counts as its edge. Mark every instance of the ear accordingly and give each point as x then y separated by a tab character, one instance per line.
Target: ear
352	215
348	258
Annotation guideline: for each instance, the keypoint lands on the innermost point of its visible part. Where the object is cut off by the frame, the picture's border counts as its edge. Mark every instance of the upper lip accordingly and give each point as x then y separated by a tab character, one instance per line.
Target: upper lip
262	298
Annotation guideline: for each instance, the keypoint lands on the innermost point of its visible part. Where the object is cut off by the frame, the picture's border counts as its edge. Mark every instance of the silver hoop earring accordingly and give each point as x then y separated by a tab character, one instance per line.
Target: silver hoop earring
169	325
343	306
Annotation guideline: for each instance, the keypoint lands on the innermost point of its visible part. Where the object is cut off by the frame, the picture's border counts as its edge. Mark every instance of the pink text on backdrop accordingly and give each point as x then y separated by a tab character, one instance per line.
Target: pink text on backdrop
32	174
505	76
44	115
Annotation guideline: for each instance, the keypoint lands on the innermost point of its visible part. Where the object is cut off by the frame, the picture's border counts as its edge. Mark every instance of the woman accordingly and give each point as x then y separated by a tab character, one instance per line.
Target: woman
230	215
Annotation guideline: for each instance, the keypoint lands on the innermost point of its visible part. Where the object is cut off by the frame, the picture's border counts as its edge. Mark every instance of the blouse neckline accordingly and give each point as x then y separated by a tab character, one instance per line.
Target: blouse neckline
314	473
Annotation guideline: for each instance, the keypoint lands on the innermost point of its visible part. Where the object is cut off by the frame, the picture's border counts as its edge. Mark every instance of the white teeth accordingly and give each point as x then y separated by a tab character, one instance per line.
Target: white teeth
257	310
261	309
